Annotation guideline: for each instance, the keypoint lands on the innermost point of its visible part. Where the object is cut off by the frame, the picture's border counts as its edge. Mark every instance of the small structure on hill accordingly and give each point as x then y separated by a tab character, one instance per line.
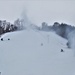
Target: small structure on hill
62	50
8	38
1	39
41	44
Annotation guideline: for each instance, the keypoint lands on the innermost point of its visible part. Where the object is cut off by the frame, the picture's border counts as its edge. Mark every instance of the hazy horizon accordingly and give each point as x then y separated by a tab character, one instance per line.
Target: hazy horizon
39	11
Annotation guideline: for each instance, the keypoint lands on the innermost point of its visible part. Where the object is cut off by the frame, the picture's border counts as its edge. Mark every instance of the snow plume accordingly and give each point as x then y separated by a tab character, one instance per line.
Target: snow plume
71	40
25	20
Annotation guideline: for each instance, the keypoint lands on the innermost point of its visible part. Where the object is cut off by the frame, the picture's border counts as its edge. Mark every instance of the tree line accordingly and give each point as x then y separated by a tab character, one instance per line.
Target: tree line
64	30
9	27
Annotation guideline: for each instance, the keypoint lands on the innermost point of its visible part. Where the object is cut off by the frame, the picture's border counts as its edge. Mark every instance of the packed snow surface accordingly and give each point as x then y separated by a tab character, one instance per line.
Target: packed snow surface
32	52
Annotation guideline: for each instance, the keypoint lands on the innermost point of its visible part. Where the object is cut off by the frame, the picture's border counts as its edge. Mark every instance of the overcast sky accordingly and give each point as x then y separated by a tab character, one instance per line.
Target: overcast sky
38	11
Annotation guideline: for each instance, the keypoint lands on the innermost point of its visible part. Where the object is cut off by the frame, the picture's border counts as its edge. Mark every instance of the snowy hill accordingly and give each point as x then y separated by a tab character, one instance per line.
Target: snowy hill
23	54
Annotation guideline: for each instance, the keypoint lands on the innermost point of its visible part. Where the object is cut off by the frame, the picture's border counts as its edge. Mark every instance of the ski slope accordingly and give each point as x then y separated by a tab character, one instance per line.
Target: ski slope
24	55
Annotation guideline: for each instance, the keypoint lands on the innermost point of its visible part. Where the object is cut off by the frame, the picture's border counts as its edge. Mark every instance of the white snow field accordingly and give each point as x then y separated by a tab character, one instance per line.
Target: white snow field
23	54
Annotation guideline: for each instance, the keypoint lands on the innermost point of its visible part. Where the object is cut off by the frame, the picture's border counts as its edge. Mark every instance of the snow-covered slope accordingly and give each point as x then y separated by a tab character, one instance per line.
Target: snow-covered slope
23	54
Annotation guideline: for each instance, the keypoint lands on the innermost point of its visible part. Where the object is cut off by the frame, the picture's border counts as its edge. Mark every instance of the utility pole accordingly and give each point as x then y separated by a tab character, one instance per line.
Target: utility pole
48	38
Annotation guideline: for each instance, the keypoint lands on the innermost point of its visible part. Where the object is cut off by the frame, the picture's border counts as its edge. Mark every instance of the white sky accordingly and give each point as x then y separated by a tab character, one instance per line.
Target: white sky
38	11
